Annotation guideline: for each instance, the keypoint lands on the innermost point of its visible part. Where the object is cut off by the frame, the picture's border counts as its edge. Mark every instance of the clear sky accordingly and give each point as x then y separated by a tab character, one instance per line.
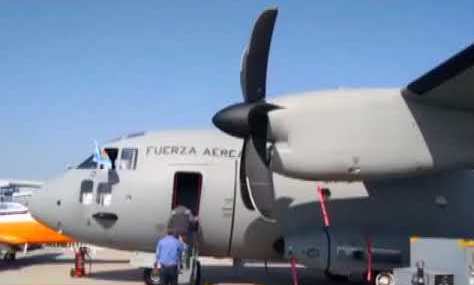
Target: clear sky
74	71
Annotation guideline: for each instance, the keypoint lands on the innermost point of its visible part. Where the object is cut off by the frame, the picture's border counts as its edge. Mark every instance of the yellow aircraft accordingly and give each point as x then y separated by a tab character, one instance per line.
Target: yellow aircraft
18	229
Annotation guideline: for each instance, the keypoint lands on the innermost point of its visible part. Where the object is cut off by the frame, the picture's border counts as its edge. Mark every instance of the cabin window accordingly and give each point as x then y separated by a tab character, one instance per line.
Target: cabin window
128	158
89	163
86	193
104	194
187	191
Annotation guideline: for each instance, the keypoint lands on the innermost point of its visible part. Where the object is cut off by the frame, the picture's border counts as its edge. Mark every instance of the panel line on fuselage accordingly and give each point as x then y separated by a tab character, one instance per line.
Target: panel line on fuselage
231	235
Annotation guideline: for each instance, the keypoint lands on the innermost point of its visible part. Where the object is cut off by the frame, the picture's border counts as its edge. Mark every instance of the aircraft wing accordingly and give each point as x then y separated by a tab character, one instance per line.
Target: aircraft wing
11	240
8	183
451	84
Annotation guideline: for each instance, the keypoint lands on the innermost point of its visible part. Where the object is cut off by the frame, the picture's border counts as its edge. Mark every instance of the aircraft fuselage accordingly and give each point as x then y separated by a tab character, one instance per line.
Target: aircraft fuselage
128	208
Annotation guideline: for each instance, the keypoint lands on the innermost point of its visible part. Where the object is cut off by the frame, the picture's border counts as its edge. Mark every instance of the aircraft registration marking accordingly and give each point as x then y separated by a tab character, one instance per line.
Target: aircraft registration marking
189	150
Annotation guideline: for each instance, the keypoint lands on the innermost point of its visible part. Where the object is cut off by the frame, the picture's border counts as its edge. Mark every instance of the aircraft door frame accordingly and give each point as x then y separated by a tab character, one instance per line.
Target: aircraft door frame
197	184
217	209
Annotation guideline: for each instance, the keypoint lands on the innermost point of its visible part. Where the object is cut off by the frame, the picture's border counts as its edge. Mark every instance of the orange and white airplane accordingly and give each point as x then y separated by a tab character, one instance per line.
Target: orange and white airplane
18	229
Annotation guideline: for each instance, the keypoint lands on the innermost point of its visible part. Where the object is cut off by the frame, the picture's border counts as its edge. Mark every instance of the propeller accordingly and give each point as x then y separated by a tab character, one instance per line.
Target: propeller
249	119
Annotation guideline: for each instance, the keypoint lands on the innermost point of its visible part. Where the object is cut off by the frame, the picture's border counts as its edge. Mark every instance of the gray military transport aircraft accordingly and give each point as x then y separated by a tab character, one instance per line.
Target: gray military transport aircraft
390	164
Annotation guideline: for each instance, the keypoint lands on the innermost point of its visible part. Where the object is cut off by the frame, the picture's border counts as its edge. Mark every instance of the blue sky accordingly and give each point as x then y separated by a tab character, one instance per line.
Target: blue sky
74	71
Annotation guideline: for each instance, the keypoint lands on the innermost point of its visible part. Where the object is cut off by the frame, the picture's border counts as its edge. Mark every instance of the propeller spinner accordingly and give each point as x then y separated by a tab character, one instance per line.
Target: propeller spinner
249	119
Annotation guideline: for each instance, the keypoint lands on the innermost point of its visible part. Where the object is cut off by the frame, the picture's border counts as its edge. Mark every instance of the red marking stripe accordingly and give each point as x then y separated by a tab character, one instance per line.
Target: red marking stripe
324	211
369	260
294	271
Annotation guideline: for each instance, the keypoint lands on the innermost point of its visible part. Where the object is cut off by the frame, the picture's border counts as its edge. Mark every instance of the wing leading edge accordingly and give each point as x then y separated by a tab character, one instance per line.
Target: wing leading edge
451	84
6	183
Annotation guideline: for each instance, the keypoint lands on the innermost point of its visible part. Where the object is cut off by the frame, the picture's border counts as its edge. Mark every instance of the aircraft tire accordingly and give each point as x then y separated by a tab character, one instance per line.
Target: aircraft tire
9	256
384	278
151	277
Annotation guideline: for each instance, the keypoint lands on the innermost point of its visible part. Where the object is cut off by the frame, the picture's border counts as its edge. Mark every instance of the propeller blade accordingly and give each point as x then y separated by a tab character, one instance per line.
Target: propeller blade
253	74
249	119
244	189
258	180
258	122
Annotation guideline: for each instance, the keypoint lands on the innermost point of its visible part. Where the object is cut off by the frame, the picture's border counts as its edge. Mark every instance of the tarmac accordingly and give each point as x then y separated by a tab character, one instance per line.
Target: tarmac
51	266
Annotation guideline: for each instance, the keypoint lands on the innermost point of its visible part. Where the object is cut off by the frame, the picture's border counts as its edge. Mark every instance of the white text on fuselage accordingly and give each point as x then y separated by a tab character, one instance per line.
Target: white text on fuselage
192	151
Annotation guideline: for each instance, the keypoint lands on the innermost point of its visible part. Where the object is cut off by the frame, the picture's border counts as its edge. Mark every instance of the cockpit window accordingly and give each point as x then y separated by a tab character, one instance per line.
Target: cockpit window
128	158
89	163
111	154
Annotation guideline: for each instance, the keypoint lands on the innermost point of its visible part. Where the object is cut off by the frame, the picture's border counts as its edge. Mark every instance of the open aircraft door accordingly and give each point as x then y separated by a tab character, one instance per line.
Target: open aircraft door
202	191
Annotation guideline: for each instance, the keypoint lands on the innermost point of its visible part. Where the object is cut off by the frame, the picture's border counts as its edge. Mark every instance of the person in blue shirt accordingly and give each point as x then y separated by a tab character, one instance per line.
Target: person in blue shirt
168	257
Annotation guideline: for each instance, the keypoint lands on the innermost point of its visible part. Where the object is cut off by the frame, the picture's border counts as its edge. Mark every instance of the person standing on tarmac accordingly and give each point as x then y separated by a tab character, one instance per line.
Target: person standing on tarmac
168	258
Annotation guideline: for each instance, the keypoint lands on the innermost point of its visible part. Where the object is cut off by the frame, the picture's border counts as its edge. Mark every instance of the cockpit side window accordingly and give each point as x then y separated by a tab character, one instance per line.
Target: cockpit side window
89	163
128	158
86	192
104	194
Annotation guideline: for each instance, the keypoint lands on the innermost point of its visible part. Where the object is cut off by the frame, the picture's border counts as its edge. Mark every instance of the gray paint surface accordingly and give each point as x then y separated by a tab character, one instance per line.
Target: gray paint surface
388	210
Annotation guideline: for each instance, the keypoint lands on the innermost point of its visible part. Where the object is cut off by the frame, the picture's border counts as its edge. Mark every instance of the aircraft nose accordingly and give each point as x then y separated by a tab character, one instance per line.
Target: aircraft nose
40	206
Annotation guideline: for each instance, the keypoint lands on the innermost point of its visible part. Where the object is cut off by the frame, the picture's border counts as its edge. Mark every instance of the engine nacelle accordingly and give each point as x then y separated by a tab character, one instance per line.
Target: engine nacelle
346	253
364	134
